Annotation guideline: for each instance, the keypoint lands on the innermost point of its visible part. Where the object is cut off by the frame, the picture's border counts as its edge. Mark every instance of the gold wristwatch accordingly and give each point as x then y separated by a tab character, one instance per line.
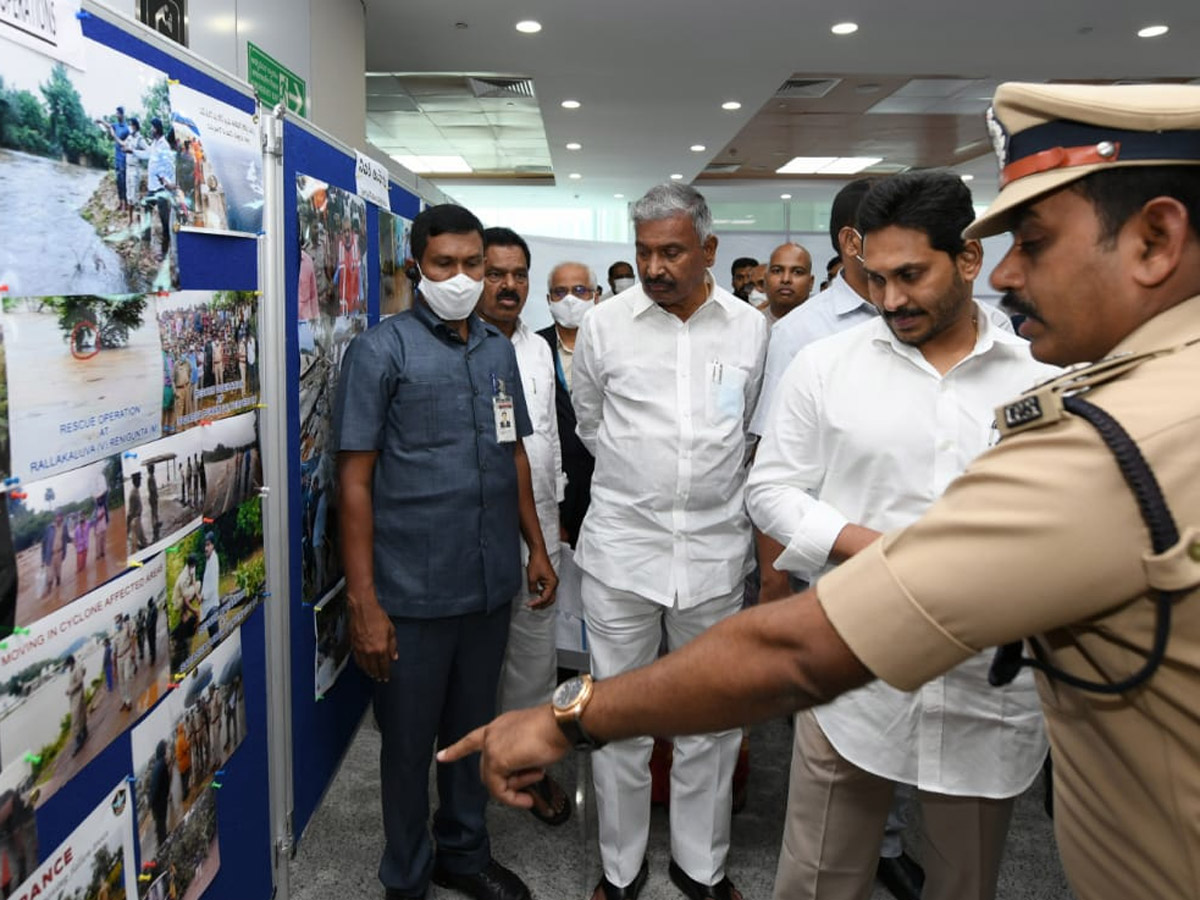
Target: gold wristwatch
569	701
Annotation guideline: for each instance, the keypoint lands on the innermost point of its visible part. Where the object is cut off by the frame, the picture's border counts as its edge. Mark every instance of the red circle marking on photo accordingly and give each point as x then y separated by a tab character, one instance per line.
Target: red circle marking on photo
90	326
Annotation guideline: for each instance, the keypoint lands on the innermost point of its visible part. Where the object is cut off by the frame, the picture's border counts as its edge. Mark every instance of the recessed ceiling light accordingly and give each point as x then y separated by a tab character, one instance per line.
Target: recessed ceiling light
429	164
529	26
1153	31
731	105
850	165
574	146
845	28
571	104
968	177
575	175
785	196
618	196
827	165
676	177
697	148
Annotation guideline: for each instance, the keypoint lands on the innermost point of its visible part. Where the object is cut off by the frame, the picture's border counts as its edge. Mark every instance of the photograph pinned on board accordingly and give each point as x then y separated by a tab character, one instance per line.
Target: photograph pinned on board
319	371
84	379
395	250
331	622
188	738
164	491
333	250
216	575
68	534
5	449
210	355
18	825
95	861
83	675
232	463
189	859
87	159
219	163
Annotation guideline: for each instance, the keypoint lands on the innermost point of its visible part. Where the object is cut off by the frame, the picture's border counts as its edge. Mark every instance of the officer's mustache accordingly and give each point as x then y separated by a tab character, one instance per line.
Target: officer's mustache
1019	306
508	295
659	281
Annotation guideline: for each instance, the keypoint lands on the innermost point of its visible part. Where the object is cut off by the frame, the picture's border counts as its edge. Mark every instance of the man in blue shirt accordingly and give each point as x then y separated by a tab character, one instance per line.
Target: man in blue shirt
434	483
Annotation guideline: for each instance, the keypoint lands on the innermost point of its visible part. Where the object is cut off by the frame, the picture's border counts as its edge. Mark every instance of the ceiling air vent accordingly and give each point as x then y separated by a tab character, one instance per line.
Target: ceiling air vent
501	87
807	88
721	168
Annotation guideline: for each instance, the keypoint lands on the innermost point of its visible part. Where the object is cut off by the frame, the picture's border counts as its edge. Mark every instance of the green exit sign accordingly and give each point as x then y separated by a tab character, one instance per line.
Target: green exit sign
275	83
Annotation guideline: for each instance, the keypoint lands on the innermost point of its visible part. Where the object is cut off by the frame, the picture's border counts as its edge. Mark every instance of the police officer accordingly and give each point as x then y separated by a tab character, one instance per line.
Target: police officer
1042	535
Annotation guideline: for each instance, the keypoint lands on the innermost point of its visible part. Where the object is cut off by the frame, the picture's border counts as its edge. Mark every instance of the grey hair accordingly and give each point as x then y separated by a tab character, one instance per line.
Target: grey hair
666	200
570	262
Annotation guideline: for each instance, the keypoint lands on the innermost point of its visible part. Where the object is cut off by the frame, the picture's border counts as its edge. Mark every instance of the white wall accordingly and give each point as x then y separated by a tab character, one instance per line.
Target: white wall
322	41
337	93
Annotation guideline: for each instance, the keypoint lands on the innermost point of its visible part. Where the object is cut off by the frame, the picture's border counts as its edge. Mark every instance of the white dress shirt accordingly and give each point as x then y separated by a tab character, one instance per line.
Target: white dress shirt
834	309
866	431
210	587
663	405
536	365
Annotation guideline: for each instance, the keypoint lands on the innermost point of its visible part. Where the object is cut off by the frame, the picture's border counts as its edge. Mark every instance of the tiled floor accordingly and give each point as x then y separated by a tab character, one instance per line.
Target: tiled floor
339	853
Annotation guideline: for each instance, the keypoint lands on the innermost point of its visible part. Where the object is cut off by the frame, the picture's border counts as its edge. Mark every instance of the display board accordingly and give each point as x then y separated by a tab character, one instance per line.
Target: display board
333	277
129	280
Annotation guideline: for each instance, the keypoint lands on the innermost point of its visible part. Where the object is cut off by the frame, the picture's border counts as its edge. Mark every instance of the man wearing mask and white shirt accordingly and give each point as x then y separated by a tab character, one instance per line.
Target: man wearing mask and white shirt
757	279
868	428
570	292
433	481
530	660
665	378
620	278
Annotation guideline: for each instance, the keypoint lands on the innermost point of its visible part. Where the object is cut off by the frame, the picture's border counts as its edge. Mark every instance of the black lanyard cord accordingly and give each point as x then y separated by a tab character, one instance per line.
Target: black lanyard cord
1163	535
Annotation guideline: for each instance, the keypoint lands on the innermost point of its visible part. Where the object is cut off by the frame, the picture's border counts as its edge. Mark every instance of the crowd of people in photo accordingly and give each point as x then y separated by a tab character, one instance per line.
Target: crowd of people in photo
186	760
206	352
333	253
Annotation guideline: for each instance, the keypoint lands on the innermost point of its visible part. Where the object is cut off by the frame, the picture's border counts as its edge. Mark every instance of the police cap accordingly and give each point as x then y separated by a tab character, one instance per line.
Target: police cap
1048	135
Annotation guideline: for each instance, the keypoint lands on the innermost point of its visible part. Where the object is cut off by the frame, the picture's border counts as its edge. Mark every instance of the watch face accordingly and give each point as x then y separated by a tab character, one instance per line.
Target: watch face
567	692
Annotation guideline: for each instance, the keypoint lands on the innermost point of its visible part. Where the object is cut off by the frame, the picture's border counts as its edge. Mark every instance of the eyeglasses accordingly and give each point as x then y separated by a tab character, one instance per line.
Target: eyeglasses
495	276
582	291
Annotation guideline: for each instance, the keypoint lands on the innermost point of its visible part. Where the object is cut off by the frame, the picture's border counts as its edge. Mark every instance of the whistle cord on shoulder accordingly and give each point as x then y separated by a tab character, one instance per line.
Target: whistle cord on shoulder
1163	535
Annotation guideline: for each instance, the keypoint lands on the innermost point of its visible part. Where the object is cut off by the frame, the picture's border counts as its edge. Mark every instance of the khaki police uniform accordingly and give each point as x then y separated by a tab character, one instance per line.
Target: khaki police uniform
1042	536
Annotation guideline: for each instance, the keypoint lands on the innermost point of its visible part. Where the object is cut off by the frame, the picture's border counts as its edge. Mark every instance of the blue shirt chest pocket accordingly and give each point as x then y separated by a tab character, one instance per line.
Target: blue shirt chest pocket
429	414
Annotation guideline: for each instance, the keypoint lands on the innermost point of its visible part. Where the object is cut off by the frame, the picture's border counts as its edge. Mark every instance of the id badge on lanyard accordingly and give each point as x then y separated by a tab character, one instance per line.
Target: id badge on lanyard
504	412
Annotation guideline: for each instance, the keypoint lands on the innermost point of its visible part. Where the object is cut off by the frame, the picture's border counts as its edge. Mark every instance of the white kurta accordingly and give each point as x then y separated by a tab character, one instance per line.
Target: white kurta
663	406
865	431
530	659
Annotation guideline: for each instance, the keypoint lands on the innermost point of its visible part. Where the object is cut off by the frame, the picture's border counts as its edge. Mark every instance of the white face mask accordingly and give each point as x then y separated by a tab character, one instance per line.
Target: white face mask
453	299
569	311
757	297
623	284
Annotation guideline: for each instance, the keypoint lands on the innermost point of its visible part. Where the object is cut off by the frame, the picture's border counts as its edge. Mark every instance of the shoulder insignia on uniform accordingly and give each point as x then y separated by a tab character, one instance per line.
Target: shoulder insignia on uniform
1039	407
1043	404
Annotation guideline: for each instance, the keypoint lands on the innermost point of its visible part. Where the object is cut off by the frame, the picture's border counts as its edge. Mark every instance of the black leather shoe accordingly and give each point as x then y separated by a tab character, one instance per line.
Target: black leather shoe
901	875
393	894
606	890
494	882
694	890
